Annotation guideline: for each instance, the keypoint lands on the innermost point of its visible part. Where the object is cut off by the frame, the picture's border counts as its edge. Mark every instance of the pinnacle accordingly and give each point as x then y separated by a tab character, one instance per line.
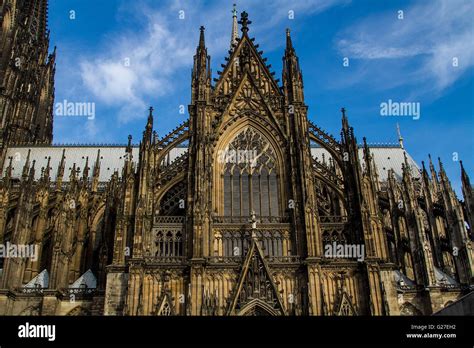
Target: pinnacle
244	21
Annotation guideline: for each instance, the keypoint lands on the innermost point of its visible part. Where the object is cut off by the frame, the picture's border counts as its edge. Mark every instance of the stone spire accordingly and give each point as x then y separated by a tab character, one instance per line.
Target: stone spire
60	172
201	75
148	132
289	43
96	173
434	176
202	40
292	75
85	171
47	170
26	167
235	29
465	178
400	138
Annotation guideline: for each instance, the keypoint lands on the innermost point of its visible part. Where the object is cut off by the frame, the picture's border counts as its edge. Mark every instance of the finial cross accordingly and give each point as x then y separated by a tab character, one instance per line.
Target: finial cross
244	21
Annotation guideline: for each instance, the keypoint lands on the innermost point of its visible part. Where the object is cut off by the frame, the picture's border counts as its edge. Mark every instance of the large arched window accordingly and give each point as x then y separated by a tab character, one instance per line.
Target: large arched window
250	176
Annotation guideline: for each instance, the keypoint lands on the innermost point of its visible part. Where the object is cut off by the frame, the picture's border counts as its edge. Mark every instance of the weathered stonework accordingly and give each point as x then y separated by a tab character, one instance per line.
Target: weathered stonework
172	229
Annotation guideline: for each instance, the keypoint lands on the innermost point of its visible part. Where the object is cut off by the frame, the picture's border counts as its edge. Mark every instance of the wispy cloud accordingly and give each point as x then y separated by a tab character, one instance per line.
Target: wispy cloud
428	42
274	12
136	67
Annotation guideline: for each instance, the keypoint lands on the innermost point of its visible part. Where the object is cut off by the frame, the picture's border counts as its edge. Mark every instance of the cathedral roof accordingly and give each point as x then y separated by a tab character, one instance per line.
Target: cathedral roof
386	157
40	281
87	280
112	159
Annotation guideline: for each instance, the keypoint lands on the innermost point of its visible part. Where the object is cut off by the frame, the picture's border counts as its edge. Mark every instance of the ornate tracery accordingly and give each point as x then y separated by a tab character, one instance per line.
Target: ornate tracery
250	176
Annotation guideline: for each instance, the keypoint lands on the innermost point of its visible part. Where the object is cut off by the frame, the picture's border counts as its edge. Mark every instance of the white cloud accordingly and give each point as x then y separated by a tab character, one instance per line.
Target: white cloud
109	81
136	67
432	33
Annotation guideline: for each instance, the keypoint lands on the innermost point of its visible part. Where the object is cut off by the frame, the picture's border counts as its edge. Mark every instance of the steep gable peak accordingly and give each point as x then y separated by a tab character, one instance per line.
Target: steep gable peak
245	56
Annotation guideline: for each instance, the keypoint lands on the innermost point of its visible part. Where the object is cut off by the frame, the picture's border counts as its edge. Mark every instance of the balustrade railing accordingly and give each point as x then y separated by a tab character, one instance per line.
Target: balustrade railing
168	220
240	259
333	219
150	259
247	219
235	243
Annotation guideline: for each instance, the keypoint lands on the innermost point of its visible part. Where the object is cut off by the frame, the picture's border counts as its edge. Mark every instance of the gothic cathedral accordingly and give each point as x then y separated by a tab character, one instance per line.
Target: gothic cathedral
241	210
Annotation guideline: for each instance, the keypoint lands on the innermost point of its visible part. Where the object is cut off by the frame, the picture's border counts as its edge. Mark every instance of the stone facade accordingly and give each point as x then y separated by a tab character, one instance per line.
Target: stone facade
231	213
26	73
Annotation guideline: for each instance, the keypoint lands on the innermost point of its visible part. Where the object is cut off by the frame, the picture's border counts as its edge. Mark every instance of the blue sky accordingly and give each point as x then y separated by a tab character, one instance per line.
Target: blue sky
127	55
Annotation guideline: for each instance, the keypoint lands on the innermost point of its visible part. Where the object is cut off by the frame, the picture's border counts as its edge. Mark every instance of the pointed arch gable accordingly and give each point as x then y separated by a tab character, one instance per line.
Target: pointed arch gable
254	119
245	41
345	306
248	101
268	299
249	94
232	130
165	306
257	307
